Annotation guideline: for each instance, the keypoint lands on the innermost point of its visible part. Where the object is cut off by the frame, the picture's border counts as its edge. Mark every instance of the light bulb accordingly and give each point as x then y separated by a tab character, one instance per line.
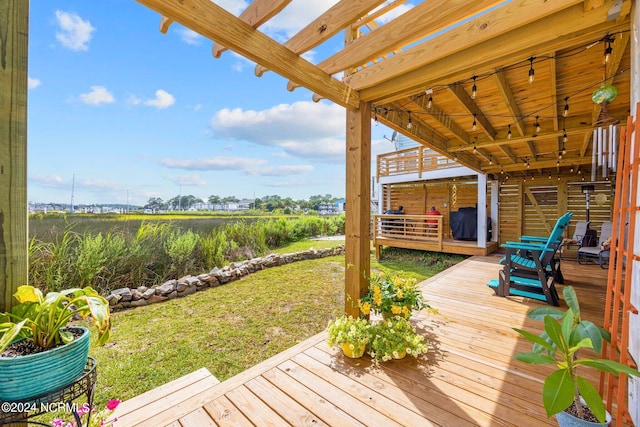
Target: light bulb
409	124
532	73
607	53
474	127
538	128
475	150
474	88
509	133
565	112
430	103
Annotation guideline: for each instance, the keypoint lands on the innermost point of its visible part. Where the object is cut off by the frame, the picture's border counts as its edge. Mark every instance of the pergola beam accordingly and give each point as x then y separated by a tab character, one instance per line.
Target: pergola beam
257	13
471	106
334	20
500	79
215	23
550	33
499	21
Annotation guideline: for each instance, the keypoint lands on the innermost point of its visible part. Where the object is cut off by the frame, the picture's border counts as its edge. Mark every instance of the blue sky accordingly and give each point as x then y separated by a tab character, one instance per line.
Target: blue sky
133	112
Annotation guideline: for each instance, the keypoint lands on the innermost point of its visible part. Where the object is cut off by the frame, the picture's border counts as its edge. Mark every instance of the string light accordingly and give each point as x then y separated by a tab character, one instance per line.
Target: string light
531	71
490	161
608	50
409	124
474	125
532	177
538	128
549	176
474	88
502	171
571	168
564	150
565	112
509	133
430	103
565	138
455	157
475	150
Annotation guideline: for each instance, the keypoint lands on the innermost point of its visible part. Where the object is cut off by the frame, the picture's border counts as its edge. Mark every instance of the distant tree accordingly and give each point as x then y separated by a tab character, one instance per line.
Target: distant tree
154	203
230	199
214	200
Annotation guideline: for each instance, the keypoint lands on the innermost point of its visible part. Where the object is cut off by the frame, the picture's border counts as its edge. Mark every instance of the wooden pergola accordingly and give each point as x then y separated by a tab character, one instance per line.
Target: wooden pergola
454	78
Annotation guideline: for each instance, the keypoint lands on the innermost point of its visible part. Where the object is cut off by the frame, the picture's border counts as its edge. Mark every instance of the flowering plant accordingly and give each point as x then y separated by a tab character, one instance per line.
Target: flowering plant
393	295
392	338
348	330
98	418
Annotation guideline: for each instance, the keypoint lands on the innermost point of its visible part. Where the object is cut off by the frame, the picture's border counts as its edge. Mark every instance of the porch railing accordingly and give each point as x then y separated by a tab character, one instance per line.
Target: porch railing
412	160
426	228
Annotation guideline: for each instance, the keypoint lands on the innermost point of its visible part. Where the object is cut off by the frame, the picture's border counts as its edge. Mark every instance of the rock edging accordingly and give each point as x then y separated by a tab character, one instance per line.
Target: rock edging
125	298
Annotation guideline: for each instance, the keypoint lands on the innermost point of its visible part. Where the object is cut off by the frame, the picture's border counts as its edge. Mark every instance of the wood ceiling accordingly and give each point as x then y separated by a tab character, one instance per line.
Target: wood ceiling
434	50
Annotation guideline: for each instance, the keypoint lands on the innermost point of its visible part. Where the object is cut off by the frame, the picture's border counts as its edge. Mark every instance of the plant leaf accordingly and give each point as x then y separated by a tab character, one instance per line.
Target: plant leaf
27	293
588	329
538	340
571	299
534	358
567	326
557	392
553	329
540	312
592	398
610	366
11	330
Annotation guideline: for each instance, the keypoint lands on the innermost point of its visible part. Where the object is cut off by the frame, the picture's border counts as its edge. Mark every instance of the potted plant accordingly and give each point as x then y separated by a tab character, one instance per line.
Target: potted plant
394	338
351	334
392	295
565	393
39	352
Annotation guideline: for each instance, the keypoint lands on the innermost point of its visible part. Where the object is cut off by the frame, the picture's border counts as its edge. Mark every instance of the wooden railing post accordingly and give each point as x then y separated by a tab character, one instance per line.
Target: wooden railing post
14	38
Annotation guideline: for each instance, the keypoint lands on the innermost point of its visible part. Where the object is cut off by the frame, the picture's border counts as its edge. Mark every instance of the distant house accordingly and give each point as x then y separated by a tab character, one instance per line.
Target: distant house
246	204
340	205
326	208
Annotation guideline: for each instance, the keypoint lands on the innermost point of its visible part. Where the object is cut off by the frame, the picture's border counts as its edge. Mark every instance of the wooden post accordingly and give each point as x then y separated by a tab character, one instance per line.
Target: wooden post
14	37
358	208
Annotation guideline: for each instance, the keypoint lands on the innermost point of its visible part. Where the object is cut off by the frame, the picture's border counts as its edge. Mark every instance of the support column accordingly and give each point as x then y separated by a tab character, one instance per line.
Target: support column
482	211
495	210
14	37
358	207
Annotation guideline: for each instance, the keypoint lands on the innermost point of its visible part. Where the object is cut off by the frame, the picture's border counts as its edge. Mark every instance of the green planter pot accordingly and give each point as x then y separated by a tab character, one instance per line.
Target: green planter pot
24	377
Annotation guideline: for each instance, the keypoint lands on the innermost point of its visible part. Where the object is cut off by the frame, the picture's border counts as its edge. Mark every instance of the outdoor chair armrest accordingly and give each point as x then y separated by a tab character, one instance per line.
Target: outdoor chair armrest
526	246
536	239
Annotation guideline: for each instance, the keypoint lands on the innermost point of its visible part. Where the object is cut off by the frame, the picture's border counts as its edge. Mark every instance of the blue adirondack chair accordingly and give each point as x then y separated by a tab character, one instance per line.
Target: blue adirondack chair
529	266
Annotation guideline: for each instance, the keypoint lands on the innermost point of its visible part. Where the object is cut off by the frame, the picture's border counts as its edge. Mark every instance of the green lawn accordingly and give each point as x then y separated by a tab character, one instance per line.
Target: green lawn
235	326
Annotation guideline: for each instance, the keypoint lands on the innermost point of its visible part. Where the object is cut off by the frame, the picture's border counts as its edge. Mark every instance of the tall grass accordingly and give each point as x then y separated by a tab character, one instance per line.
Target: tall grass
158	251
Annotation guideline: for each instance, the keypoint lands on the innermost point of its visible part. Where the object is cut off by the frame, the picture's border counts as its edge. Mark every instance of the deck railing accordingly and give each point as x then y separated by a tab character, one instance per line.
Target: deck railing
427	228
412	160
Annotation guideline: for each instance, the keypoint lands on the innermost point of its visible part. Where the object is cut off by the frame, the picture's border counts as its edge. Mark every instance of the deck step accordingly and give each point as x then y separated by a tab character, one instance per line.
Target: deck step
145	406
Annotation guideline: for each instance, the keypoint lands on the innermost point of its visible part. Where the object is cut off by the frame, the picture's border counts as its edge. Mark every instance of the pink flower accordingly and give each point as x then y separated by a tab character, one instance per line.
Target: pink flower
113	404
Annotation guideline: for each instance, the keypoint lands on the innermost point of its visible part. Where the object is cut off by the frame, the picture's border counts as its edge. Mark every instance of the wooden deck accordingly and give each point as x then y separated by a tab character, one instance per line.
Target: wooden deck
468	377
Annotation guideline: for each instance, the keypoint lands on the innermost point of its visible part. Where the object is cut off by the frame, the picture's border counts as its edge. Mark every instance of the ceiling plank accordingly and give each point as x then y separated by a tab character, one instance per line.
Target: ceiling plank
471	106
215	23
334	20
426	18
257	13
500	79
446	121
553	88
496	22
507	152
586	141
532	149
549	33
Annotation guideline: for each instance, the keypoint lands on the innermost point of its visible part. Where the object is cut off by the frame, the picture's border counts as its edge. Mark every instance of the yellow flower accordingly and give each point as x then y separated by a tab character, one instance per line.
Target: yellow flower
377	299
405	310
399	294
396	310
365	308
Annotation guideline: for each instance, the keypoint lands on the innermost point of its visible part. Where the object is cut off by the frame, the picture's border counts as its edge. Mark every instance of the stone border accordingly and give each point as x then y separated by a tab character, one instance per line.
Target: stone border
124	298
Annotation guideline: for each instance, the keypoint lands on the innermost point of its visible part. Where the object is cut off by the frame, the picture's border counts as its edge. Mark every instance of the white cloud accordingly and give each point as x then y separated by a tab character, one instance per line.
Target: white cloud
162	100
190	37
98	95
133	100
188	180
196	107
73	32
285	170
33	83
303	129
232	6
249	166
214	163
52	181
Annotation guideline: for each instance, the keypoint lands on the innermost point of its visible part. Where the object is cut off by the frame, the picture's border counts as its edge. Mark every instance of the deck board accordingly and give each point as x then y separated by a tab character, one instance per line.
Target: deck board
468	377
